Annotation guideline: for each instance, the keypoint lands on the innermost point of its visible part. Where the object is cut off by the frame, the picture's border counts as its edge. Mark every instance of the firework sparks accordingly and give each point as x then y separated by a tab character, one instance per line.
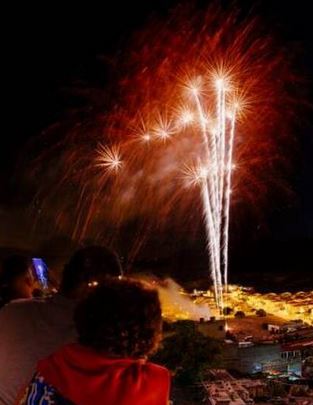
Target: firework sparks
186	117
194	175
146	137
109	158
164	128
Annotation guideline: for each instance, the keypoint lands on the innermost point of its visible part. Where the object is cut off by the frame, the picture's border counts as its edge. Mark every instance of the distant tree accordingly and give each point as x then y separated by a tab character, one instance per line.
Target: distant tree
240	314
227	311
261	313
188	353
277	388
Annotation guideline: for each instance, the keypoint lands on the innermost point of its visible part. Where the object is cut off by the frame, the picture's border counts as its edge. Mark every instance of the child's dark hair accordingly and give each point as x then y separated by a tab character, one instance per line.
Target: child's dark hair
120	318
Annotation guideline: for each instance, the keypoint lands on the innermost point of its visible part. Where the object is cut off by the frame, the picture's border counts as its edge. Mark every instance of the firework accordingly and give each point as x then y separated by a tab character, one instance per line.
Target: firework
196	94
109	158
213	170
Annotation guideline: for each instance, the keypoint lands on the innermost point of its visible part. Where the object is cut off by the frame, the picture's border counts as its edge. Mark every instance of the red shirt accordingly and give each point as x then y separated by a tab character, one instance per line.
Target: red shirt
85	377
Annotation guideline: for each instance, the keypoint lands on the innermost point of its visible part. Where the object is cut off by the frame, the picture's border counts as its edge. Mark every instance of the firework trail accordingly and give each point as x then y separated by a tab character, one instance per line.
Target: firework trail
229	168
216	182
194	96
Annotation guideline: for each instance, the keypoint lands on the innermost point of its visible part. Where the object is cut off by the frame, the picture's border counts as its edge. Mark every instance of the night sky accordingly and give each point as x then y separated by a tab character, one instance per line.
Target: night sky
48	48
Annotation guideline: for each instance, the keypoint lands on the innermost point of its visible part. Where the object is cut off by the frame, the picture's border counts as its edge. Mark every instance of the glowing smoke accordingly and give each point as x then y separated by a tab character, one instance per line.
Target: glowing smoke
175	305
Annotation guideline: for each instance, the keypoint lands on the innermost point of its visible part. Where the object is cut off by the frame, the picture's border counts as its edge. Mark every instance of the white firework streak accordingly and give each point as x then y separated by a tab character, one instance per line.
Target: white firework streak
208	206
227	191
216	187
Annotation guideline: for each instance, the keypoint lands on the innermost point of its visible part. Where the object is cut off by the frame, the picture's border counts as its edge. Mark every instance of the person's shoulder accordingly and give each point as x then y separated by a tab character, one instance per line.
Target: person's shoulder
157	370
159	377
20	305
16	313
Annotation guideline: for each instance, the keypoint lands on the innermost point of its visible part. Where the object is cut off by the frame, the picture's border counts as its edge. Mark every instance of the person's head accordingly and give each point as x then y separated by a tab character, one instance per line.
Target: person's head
16	278
89	266
120	318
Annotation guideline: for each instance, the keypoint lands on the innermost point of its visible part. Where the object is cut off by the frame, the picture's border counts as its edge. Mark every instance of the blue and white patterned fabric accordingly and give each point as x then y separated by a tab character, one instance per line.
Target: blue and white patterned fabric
40	393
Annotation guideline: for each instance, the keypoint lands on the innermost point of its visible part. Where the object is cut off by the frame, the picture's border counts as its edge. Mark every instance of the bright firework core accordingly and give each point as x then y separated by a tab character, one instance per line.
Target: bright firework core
109	158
